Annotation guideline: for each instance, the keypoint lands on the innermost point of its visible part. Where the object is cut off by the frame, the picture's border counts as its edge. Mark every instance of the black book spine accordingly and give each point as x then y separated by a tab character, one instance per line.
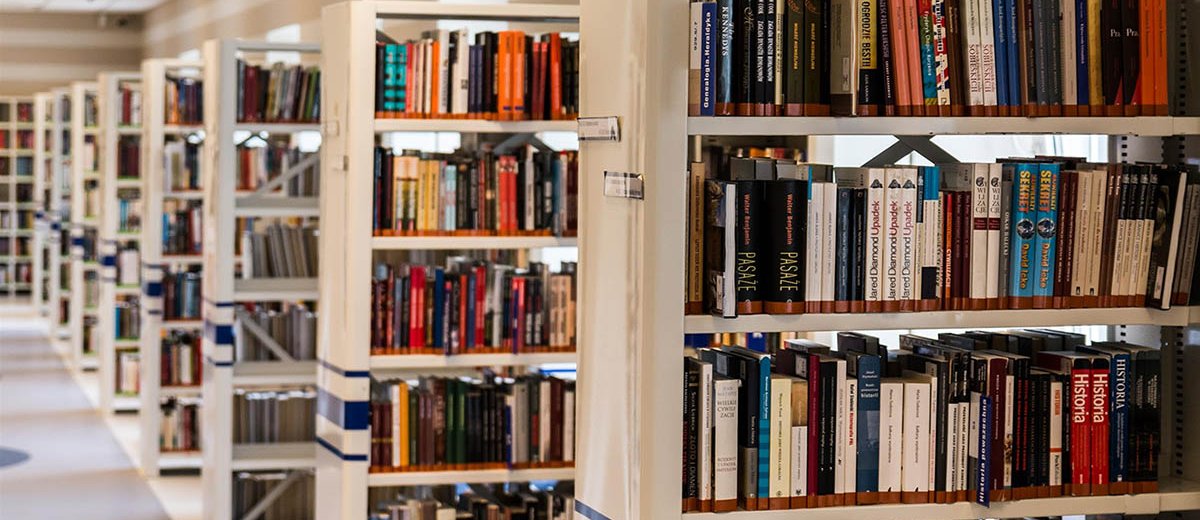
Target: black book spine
793	57
813	47
1111	54
743	55
770	50
760	54
859	246
748	265
844	239
1031	51
828	429
784	261
726	20
887	81
691	423
1131	52
1042	48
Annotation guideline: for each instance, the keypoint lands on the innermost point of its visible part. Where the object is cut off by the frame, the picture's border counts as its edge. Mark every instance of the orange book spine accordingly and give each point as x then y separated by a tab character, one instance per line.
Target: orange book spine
435	83
912	44
1161	89
555	76
504	77
1144	92
899	57
518	75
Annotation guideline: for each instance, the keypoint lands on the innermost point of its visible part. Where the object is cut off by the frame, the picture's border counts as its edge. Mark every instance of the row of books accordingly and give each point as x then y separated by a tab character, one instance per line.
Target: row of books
184	100
529	192
91	110
259	165
129	157
20	273
20	140
296	502
129	212
129	265
181	360
976	416
280	251
126	373
934	58
127	322
779	236
505	75
182	294
447	423
181	166
519	502
181	227
16	246
273	416
471	306
24	112
88	155
129	104
292	326
278	93
179	426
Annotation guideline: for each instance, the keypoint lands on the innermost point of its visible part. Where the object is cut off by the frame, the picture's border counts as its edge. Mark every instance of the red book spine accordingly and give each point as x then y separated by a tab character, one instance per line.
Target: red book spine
462	315
519	315
814	416
1099	422
480	305
416	311
1081	429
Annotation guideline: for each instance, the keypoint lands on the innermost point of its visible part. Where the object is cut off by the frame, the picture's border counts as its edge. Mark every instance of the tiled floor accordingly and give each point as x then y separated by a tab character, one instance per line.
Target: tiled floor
80	464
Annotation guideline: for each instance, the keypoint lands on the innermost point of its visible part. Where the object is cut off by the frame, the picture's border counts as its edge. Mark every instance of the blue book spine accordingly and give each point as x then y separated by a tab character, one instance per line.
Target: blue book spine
724	51
764	428
928	63
1000	31
708	45
982	477
1013	76
867	479
1021	269
756	341
451	178
439	295
1081	53
1118	445
1046	229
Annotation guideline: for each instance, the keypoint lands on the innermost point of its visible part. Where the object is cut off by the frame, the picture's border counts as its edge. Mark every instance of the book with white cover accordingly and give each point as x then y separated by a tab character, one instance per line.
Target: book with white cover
995	171
980	200
829	237
781	438
891	434
1082	254
908	236
894	198
568	437
987	54
725	448
461	67
1056	433
1009	398
841	429
873	256
915	475
850	482
814	243
952	420
1100	188
1068	47
704	443
972	57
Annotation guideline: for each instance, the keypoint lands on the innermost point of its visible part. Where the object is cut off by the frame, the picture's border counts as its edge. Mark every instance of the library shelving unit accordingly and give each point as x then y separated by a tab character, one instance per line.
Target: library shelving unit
157	132
85	218
351	132
120	198
633	254
58	211
43	104
17	203
225	290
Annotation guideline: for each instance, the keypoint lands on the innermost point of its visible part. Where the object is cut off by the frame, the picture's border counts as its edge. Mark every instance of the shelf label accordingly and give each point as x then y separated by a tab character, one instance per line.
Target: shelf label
623	185
599	128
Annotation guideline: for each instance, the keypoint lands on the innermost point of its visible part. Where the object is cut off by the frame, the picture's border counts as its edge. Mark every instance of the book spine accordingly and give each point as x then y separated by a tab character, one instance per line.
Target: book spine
763	374
888	80
875	239
908	240
868	466
1046	229
980	203
1131	61
941	56
696	219
892	255
785	263
1111	31
705	434
708	44
748	265
1098	408
813	242
987	55
899	51
994	189
974	56
1080	433
930	237
891	415
780	446
793	58
724	103
843	266
1000	42
725	449
870	90
1119	421
850	456
916	452
841	431
828	247
843	57
925	28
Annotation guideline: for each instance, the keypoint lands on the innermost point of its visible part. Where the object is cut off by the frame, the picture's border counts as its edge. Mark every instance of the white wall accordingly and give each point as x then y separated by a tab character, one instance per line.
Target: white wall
39	51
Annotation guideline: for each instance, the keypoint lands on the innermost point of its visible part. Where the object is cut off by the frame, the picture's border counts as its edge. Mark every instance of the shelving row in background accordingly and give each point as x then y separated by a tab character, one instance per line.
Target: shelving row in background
270	158
274	416
181	227
128	377
129	104
185	100
280	251
783	237
16	112
528	192
939	58
974	416
278	93
505	76
515	501
20	140
20	167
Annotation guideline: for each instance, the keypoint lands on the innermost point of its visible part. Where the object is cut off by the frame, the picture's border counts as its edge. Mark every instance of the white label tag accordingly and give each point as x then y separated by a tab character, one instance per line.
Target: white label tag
623	185
599	129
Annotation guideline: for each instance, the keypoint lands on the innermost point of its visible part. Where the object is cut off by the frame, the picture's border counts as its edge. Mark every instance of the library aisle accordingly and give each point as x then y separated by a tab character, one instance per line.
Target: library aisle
74	460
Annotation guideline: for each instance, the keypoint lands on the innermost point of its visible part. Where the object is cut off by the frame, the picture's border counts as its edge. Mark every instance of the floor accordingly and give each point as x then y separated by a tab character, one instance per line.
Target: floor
79	465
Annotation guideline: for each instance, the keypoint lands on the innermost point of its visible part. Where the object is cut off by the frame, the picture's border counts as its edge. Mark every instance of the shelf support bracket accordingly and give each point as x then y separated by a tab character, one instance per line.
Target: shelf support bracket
906	144
296	169
247	323
508	145
261	507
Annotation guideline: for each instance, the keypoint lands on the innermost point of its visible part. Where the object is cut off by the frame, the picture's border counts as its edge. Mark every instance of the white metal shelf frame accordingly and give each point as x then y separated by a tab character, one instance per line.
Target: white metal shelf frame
81	221
633	253
110	240
58	209
350	131
11	286
221	208
155	265
42	113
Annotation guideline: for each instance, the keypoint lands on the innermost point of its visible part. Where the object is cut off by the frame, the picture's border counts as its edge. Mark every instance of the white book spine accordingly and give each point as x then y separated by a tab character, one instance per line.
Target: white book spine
829	237
1056	433
891	241
980	197
891	436
781	437
1183	279
974	52
875	268
544	420
461	75
394	390
816	203
839	465
987	55
568	437
799	461
851	480
952	447
973	440
915	470
443	71
939	241
933	432
908	235
995	171
705	441
1122	243
1067	32
725	449
964	412
1083	230
1100	188
1008	429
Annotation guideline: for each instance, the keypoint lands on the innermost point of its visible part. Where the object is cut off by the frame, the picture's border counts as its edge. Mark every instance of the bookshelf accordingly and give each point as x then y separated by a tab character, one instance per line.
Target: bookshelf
43	103
633	251
223	287
85	196
120	197
351	131
159	189
58	211
17	197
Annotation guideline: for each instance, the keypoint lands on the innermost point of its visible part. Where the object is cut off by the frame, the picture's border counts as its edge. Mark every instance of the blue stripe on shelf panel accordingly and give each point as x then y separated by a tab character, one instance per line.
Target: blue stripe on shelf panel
154	312
217	303
343	456
39	214
588	512
218	363
345	373
154	289
56	226
77	241
108	261
349	415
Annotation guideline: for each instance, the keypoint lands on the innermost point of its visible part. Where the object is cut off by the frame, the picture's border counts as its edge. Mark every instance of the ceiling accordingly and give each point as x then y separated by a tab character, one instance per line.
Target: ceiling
80	6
